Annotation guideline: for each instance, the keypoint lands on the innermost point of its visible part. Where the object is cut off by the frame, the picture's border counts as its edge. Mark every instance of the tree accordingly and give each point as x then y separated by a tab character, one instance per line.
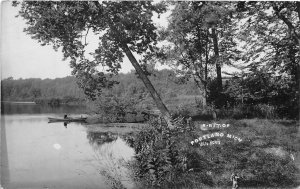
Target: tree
122	28
188	44
284	11
201	35
270	31
35	92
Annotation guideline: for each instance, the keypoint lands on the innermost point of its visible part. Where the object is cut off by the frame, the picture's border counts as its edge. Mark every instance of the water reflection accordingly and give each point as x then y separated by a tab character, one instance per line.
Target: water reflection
99	138
60	155
112	154
18	108
4	165
65	124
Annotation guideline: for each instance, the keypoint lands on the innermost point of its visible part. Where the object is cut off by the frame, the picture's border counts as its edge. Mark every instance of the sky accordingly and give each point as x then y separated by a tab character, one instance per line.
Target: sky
23	57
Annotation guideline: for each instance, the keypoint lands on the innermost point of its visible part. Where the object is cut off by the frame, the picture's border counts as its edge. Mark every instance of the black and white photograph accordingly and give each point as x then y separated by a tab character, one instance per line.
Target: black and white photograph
150	94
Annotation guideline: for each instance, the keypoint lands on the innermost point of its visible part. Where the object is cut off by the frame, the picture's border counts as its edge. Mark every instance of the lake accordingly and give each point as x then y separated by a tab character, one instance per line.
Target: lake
38	154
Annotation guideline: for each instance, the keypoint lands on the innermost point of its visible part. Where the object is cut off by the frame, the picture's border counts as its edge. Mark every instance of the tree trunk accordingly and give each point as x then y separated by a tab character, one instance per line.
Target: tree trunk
289	24
202	90
206	63
298	8
204	103
202	87
159	103
218	101
218	66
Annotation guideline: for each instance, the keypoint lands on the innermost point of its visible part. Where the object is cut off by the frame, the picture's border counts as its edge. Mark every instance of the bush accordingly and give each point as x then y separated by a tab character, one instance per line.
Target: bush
247	111
161	160
265	111
184	110
112	108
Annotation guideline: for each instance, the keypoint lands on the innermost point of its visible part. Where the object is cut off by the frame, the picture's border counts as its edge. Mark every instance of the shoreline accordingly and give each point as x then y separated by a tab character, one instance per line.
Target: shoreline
18	102
120	128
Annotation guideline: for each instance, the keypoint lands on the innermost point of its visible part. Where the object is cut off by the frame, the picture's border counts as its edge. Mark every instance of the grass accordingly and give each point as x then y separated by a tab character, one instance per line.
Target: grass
277	140
267	157
118	128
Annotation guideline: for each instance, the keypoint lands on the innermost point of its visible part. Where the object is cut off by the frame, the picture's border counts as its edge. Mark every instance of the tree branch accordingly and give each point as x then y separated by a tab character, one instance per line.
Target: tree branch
287	22
298	9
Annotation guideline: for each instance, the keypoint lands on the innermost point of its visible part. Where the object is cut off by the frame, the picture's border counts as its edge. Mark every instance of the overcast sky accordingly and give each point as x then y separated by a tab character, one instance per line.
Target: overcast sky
23	57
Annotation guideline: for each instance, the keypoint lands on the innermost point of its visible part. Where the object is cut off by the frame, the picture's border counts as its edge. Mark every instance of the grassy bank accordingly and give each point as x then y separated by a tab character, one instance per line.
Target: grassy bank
119	128
267	154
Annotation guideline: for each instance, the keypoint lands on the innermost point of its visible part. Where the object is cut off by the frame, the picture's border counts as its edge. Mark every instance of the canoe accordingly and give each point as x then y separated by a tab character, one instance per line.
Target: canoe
67	119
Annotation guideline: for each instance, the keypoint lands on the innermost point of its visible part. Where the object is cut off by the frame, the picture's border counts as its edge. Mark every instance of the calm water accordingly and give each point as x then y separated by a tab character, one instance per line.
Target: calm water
38	154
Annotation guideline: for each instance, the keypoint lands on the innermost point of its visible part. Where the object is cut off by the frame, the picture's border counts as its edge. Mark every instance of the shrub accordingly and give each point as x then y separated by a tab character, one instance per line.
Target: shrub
247	111
265	111
185	110
161	160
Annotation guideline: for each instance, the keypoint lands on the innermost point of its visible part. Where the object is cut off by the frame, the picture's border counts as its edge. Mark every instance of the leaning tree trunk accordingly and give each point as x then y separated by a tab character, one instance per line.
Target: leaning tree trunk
159	103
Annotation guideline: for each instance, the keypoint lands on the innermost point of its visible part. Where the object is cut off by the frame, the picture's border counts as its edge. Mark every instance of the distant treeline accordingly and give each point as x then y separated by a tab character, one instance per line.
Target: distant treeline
253	95
62	90
65	90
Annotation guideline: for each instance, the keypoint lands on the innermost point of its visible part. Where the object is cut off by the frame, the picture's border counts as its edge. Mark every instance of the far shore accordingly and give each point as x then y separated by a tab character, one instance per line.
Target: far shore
18	102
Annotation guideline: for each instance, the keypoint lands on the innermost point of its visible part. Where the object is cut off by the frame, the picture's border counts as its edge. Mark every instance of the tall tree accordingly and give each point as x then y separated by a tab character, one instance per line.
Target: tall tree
201	35
188	45
122	28
220	17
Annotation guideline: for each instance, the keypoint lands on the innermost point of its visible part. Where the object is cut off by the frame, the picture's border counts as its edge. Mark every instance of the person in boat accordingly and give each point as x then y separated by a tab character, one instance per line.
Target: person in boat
66	116
234	178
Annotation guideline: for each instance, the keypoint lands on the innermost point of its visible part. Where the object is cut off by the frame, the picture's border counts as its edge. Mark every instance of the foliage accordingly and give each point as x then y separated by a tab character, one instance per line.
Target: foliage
115	109
260	89
265	111
132	98
35	93
254	95
200	36
268	54
270	34
160	159
129	88
166	159
31	89
122	27
51	101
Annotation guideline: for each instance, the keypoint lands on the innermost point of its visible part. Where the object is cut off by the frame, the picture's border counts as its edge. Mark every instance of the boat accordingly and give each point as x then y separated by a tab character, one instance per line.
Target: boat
69	119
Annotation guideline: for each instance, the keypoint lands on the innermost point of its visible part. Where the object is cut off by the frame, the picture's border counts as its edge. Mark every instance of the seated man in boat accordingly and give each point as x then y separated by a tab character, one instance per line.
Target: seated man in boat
234	178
